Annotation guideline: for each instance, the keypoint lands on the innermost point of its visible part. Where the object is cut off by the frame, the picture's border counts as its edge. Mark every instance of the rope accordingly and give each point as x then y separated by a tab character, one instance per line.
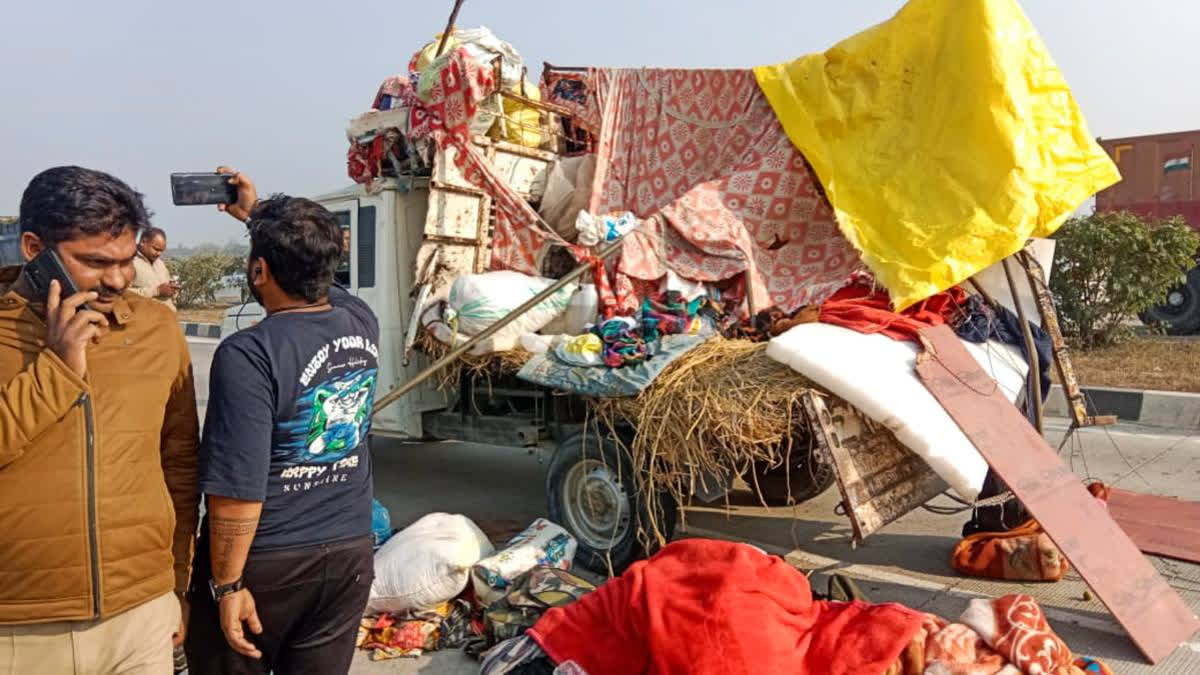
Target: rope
997	500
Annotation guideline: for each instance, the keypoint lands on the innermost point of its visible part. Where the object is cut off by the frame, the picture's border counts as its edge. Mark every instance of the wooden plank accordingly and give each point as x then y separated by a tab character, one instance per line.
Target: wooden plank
1151	612
880	479
1158	525
1062	357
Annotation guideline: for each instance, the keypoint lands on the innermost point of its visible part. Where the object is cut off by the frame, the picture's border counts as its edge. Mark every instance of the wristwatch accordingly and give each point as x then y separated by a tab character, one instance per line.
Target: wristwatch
221	590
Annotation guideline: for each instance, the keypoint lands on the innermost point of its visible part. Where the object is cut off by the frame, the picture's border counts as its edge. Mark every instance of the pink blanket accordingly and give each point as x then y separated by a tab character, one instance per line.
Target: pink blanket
701	155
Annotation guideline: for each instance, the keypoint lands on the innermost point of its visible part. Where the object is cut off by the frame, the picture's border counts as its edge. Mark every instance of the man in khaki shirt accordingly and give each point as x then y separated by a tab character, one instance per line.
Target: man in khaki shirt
151	278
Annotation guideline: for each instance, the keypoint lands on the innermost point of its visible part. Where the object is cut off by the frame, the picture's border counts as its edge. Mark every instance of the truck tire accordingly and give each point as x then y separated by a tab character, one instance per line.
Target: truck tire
586	488
1180	314
779	485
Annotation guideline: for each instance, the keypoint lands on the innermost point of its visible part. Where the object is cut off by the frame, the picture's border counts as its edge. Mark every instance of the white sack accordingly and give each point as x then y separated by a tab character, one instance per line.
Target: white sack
426	563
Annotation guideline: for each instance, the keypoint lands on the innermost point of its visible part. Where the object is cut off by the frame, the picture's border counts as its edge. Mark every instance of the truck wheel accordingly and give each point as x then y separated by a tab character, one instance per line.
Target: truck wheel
1180	314
804	483
590	492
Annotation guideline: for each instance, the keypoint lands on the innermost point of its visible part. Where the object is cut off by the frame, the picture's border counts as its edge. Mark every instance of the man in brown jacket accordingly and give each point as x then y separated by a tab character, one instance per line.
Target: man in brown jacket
98	434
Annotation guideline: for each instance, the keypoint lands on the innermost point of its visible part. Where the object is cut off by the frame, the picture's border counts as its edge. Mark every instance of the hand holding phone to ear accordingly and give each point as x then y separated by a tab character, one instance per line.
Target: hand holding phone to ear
70	328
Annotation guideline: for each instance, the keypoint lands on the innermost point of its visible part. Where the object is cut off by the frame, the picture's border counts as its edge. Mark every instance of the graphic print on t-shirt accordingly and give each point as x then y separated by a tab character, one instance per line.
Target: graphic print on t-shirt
340	416
316	445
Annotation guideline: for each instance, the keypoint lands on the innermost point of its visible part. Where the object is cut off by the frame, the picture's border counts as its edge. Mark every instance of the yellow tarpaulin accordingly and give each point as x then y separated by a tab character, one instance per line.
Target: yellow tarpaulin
944	137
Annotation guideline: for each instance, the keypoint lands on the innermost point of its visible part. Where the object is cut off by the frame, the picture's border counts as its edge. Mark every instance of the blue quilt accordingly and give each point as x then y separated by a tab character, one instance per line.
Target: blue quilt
603	382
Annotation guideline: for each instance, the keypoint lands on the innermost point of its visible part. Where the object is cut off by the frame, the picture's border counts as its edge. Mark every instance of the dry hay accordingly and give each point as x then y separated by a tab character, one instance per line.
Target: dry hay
487	366
717	410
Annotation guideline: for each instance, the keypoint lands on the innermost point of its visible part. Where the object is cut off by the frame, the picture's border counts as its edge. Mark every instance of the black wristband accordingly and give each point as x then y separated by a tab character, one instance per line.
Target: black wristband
221	590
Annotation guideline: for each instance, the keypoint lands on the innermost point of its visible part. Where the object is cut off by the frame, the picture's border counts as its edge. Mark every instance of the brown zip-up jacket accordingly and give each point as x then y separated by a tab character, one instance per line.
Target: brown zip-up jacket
98	500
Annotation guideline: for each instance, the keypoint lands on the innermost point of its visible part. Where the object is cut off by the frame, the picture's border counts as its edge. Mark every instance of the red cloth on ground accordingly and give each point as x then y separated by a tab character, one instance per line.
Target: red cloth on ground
860	308
720	608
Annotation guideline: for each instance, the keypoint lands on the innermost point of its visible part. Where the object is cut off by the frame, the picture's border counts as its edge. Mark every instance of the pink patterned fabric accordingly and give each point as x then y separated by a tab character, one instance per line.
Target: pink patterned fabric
448	108
701	155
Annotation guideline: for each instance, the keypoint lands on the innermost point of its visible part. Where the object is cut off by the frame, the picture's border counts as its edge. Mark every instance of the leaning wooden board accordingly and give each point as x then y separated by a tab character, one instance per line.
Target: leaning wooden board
1152	613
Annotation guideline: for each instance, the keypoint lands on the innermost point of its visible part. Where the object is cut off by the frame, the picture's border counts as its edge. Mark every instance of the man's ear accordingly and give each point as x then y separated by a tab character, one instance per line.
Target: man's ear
31	245
260	272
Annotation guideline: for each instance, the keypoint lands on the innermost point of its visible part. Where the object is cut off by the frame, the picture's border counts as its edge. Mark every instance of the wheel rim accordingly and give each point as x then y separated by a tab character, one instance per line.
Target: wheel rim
596	505
1179	301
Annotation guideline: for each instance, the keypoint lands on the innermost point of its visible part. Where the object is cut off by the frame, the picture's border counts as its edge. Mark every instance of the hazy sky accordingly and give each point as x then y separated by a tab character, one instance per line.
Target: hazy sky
141	89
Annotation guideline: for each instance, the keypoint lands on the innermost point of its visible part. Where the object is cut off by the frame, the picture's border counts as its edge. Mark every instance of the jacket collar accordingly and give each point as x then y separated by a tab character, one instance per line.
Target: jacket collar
12	301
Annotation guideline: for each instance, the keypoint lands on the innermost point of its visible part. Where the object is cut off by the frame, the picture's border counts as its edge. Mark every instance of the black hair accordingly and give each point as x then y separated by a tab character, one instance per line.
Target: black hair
150	233
301	242
69	201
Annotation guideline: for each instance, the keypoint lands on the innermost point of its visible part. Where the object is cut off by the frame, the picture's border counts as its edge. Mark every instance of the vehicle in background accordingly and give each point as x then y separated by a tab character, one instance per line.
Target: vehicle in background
10	241
1159	180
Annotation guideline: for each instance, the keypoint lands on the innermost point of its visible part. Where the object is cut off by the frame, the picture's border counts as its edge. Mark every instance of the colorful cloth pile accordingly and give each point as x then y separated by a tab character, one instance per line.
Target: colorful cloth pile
622	342
629	341
1024	553
705	606
1005	636
388	636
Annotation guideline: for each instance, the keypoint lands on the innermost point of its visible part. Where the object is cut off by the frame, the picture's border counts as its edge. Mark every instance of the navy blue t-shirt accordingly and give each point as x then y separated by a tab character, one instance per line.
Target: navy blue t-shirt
288	413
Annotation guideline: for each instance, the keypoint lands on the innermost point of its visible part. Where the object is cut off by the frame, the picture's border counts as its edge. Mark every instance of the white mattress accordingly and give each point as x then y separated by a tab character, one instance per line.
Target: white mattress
875	374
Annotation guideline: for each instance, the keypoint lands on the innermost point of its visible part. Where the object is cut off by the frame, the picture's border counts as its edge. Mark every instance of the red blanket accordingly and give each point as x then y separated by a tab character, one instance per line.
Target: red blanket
720	608
866	310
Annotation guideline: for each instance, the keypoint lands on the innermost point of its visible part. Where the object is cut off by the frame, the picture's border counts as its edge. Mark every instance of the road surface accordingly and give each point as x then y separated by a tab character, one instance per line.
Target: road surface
906	562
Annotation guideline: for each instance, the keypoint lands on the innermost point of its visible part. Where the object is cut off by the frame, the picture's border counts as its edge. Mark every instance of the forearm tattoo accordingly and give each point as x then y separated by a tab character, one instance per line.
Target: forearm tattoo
225	534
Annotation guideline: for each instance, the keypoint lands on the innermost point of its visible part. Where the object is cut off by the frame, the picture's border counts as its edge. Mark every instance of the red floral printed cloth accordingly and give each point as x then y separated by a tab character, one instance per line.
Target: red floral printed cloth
701	156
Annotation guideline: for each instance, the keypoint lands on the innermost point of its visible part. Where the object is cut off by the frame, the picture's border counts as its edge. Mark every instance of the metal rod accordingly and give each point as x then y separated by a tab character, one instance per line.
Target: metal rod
449	27
446	360
1035	370
982	293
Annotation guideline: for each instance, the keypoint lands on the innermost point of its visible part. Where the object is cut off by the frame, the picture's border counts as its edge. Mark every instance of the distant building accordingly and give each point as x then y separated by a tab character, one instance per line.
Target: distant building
10	241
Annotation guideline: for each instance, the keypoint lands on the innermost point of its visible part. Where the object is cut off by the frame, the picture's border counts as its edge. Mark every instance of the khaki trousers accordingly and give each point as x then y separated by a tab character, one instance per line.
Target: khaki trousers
135	642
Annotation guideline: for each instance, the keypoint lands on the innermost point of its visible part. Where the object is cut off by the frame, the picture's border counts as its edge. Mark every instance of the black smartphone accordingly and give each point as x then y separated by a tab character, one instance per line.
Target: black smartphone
44	268
194	189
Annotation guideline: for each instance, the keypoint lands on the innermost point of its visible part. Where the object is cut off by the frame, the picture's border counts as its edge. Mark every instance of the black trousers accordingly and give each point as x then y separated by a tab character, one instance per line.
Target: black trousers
310	601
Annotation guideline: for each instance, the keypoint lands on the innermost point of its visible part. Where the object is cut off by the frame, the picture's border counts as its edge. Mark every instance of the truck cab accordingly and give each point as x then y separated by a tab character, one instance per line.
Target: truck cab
383	232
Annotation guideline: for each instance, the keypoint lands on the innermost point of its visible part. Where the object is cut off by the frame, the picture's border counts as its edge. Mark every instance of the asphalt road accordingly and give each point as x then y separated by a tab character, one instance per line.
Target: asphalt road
906	562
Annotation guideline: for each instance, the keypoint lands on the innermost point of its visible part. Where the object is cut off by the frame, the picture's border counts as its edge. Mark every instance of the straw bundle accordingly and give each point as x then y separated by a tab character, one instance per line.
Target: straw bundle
484	365
716	411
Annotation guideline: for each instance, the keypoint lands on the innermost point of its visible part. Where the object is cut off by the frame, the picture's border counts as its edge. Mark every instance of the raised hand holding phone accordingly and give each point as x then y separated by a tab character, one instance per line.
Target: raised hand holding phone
71	326
247	194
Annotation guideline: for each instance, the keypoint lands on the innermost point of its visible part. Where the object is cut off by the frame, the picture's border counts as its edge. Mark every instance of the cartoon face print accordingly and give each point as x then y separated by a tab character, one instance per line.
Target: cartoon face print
341	411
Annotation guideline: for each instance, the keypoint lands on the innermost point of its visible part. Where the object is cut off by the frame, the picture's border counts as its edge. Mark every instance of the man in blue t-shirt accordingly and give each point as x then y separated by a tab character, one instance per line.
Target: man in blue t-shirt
284	564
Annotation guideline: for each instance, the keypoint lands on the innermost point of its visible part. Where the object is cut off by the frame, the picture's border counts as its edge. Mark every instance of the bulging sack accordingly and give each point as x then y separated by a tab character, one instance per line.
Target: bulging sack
426	563
542	544
478	300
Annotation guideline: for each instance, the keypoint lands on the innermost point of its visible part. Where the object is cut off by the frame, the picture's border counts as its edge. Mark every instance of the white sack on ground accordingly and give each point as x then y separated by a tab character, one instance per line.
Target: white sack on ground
426	563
